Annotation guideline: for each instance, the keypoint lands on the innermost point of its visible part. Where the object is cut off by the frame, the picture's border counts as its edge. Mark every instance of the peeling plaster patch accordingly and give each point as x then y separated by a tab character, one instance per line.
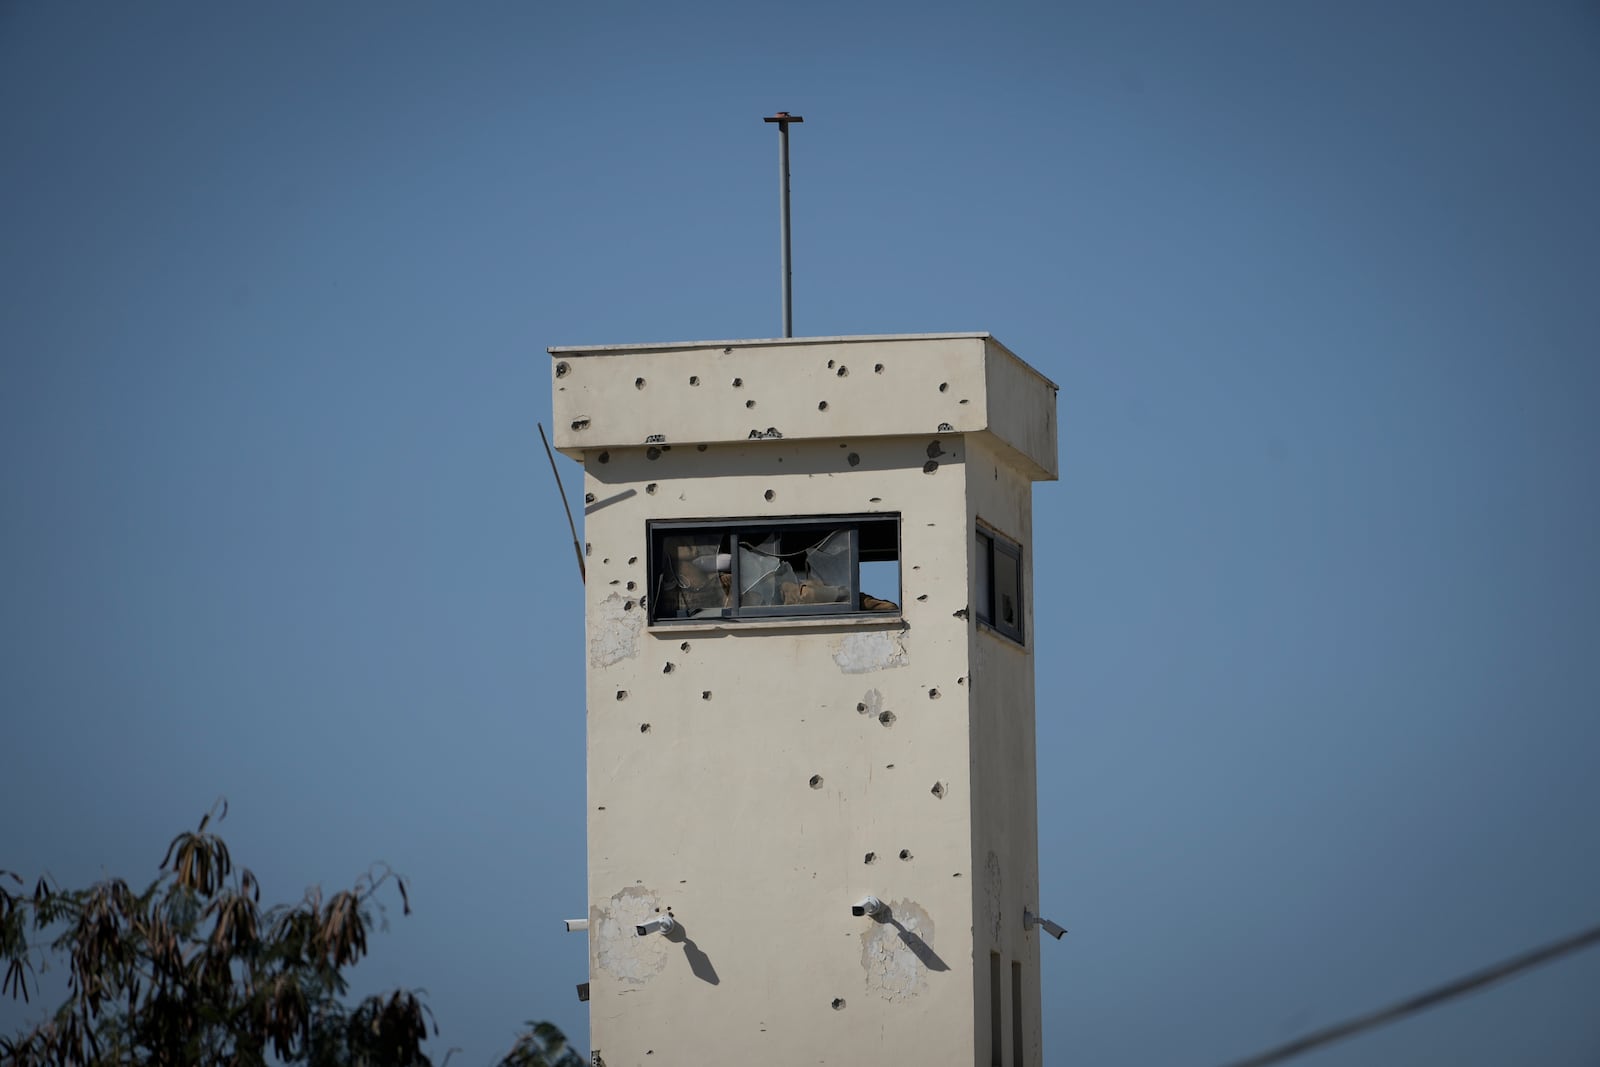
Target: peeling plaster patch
992	895
895	954
615	634
870	704
863	653
618	950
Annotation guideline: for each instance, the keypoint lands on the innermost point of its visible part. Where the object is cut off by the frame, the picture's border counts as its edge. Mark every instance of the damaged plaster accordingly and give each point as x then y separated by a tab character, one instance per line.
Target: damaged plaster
897	953
876	650
618	949
614	631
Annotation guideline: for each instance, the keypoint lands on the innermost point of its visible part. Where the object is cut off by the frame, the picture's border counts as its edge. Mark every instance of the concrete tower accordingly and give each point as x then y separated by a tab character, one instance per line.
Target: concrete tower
810	697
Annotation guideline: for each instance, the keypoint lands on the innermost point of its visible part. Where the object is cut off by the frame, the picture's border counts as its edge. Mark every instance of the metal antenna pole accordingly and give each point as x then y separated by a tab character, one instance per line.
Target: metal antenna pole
783	118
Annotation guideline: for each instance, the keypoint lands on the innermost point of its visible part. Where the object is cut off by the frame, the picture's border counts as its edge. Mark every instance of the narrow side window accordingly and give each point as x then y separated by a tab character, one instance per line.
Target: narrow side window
998	587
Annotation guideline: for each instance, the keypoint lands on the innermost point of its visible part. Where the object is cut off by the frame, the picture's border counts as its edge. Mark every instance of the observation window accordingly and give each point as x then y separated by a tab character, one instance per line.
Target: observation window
998	597
766	568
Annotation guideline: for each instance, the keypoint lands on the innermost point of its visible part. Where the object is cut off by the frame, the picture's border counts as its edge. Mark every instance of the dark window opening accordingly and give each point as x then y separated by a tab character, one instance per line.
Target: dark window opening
765	568
998	595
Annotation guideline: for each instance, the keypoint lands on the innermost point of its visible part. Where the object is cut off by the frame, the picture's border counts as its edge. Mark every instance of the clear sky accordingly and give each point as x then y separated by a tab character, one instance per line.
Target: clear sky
1318	592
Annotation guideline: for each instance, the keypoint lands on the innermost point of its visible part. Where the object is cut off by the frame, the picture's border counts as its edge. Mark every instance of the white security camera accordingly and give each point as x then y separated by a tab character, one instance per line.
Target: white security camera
1030	920
868	906
664	923
575	925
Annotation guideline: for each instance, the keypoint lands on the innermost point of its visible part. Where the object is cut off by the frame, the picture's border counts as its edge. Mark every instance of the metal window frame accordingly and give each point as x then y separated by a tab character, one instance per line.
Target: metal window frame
1001	547
738	529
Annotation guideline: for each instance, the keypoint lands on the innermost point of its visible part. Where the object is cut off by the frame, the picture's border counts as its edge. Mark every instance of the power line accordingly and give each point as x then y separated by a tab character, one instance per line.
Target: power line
1423	1001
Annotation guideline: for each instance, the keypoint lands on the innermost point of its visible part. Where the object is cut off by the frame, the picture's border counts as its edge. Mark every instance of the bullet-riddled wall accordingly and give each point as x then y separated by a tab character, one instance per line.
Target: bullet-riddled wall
755	777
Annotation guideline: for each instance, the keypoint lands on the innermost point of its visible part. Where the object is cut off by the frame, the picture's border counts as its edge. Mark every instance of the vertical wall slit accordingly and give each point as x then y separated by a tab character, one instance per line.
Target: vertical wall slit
1016	1013
996	1053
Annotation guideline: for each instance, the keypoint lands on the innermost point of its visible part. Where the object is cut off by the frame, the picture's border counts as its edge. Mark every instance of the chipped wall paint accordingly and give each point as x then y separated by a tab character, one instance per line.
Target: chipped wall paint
614	630
871	651
615	949
788	768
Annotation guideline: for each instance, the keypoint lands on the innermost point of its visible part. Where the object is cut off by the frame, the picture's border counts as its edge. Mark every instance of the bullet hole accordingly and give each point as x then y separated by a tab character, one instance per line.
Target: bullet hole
606	560
924	596
700	448
588	498
886	718
562	369
638	383
605	457
888	766
738	383
769	495
601	808
956	875
870	857
749	403
874	499
668	668
627	605
838	1004
726	351
961	680
944	387
964	400
861	709
651	488
905	853
830	364
930	466
644	728
622	694
705	694
684	647
652	453
938	790
694	379
816	781
587	548
877	368
822	405
843	371
934	450
580	424
933	694
629	586
632	560
959	614
615	581
854	459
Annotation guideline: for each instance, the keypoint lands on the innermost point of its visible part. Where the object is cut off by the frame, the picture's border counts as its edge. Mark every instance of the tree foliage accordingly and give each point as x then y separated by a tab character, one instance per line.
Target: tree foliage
193	970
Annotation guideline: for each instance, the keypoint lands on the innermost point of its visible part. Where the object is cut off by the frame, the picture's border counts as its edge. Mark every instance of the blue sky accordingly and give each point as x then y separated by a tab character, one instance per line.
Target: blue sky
1317	594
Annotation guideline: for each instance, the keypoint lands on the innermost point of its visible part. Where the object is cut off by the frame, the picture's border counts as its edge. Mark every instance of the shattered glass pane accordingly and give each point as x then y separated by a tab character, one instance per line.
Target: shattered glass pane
794	568
695	575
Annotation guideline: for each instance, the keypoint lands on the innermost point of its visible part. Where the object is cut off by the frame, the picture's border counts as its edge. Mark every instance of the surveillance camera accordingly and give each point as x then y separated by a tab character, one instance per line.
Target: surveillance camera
575	925
664	923
868	906
1030	920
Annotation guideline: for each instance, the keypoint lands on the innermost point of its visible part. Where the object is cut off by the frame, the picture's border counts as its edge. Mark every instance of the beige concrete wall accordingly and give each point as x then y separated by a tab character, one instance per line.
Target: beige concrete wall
1005	835
710	812
754	779
802	389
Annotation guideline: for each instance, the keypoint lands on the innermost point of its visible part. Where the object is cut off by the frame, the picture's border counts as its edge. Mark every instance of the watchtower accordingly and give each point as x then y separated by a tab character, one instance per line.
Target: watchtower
811	772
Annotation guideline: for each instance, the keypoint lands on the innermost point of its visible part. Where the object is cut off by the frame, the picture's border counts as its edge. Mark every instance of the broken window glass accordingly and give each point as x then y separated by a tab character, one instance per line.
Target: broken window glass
766	569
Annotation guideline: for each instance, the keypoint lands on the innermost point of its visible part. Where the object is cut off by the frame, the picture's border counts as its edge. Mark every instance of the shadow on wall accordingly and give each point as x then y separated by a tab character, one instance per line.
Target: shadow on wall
919	948
699	962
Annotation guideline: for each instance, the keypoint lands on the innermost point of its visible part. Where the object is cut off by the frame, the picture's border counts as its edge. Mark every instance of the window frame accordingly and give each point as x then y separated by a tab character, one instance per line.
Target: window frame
991	548
737	530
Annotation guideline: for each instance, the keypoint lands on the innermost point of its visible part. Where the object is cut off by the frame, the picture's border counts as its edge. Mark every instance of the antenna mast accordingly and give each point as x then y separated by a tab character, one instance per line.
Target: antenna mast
783	118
